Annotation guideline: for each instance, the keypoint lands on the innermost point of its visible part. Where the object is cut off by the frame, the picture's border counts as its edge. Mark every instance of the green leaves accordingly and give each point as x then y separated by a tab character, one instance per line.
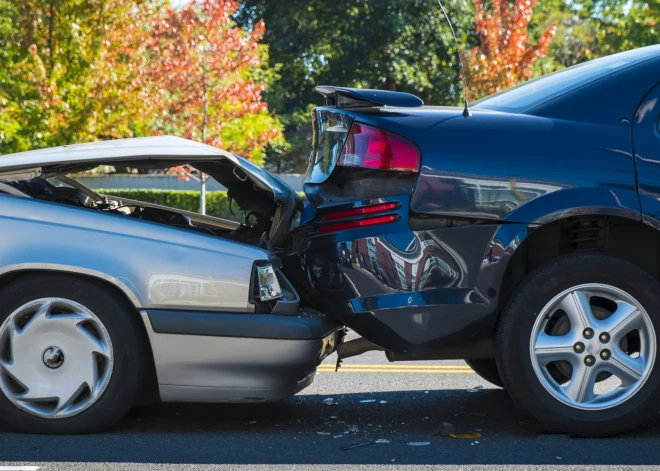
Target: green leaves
82	70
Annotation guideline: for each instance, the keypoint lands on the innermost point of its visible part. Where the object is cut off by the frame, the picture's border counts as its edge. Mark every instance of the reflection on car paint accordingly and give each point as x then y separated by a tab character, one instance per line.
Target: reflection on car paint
422	264
180	290
469	195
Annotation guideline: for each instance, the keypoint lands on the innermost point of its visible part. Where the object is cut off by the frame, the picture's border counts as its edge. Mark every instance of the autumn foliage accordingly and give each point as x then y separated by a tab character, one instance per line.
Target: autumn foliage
505	55
138	68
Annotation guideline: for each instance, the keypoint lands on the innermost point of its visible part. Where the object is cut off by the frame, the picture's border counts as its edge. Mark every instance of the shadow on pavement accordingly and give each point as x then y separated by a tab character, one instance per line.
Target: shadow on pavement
288	433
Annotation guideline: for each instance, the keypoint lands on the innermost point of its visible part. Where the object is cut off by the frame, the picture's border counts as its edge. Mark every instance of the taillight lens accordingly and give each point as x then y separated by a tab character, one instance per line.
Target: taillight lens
371	147
342	226
349	213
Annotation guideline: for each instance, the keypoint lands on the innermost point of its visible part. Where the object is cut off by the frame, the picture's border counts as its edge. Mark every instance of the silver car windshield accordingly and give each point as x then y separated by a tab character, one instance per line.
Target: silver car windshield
530	94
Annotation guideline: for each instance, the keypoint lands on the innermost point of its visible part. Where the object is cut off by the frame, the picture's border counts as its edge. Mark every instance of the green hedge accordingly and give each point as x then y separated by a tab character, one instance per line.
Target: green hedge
217	203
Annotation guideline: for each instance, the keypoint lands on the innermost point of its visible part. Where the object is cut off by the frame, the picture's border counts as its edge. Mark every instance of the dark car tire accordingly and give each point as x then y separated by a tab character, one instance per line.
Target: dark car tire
128	345
486	369
514	349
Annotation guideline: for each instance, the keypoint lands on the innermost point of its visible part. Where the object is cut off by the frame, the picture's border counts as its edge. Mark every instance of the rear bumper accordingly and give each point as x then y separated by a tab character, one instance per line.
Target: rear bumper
214	357
413	292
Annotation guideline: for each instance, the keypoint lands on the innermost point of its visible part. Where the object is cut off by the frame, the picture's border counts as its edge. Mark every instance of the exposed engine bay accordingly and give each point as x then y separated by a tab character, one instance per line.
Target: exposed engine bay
260	221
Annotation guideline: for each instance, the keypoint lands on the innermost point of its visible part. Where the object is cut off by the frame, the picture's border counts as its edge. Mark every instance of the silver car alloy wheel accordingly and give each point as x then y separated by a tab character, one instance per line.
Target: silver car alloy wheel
56	358
593	346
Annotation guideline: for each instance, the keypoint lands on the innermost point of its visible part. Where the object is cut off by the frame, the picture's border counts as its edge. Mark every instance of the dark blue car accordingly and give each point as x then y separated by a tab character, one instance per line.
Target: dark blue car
523	238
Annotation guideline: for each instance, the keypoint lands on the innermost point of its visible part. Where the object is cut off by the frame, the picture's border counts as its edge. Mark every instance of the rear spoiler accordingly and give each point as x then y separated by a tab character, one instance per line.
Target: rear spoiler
343	97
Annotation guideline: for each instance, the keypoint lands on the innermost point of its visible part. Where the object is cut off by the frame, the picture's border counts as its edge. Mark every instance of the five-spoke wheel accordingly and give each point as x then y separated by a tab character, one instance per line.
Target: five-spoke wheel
593	346
577	345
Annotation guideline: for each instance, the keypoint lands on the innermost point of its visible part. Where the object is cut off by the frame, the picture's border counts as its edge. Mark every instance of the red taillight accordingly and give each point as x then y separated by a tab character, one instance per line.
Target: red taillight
341	226
349	213
370	147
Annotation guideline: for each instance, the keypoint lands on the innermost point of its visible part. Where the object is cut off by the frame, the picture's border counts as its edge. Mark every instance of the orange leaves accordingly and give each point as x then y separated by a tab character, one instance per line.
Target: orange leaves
504	56
191	71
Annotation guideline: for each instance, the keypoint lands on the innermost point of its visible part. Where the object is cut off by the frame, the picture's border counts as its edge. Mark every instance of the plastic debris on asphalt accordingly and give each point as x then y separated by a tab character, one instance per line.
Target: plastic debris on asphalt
383	402
329	402
419	443
323	433
365	401
337	436
381	440
465	436
475	389
446	429
357	445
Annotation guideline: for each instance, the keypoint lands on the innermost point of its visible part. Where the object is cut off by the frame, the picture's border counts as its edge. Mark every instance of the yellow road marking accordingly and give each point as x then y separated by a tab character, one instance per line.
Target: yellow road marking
426	369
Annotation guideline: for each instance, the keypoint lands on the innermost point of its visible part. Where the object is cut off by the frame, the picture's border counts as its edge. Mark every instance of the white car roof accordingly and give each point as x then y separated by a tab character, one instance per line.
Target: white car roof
158	147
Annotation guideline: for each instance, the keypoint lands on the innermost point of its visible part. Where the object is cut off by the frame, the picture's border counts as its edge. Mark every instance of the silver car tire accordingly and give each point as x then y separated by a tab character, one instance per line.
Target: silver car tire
577	345
72	355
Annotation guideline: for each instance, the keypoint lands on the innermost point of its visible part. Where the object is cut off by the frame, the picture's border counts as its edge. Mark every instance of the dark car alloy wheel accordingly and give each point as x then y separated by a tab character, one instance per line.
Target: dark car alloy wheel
593	346
577	345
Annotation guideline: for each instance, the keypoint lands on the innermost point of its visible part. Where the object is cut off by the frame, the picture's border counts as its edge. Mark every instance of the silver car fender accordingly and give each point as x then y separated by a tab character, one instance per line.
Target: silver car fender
156	266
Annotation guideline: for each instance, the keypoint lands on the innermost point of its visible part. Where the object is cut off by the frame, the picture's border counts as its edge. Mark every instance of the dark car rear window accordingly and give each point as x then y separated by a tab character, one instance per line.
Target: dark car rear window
530	94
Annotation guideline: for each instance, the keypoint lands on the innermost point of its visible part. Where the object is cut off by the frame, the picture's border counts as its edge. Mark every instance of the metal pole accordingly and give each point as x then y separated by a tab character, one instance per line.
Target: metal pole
202	194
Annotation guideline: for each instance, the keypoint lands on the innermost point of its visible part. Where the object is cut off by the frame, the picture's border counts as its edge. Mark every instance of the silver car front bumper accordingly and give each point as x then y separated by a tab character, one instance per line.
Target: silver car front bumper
216	357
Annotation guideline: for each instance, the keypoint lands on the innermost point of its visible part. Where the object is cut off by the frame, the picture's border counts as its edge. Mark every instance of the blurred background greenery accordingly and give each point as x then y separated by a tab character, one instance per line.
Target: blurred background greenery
241	75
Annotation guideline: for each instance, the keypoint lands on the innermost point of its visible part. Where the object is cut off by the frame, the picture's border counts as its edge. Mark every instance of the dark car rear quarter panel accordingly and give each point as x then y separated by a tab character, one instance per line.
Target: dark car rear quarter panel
492	165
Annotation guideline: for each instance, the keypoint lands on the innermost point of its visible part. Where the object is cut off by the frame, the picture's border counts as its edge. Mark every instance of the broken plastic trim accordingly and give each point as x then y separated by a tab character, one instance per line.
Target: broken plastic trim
354	348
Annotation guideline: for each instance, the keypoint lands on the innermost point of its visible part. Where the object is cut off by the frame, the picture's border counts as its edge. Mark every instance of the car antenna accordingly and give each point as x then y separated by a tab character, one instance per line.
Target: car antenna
466	110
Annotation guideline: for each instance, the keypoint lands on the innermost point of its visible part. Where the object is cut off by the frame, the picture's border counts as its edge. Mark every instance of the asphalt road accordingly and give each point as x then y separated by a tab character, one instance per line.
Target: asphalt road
304	433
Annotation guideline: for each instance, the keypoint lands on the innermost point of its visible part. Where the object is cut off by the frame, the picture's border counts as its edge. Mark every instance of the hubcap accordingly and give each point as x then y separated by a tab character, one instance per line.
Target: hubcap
56	358
593	346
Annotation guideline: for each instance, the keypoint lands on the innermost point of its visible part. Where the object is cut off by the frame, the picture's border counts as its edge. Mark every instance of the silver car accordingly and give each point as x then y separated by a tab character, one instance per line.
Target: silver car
107	302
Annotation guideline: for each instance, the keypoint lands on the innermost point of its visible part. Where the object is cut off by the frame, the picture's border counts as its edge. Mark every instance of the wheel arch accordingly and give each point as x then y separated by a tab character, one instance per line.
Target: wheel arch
625	238
12	272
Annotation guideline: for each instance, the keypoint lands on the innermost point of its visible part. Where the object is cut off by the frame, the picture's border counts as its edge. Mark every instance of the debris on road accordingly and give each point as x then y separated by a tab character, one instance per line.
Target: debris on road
329	402
324	433
357	445
365	401
381	440
446	429
466	436
337	436
475	389
419	443
383	402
